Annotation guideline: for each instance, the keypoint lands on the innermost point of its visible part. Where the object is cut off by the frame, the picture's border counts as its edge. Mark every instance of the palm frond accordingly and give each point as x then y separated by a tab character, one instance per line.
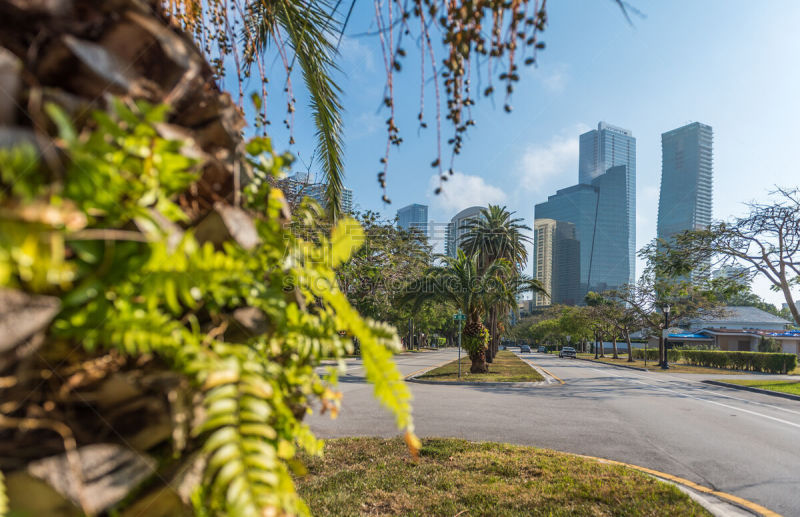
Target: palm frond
311	28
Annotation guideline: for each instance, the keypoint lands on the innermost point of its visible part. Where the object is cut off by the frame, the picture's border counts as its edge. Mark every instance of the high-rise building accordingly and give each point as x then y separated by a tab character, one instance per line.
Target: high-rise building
577	205
302	184
601	215
556	262
685	201
413	216
455	229
606	147
612	262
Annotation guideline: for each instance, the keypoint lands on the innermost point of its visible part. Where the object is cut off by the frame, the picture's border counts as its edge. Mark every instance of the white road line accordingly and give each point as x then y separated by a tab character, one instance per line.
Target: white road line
686	395
793	424
674	379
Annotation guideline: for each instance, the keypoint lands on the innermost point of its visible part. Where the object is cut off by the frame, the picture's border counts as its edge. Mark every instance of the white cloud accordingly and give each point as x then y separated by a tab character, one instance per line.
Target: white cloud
461	191
554	79
539	163
355	52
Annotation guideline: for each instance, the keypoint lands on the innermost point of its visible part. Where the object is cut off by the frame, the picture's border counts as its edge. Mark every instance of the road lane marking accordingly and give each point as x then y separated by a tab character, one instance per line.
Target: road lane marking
675	379
793	424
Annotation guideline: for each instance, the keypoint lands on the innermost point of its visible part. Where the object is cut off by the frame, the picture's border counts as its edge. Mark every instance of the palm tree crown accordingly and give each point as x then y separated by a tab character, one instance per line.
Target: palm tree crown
496	234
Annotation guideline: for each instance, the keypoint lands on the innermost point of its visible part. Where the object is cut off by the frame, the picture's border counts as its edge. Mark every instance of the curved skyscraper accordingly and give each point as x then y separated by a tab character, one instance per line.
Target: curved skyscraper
687	164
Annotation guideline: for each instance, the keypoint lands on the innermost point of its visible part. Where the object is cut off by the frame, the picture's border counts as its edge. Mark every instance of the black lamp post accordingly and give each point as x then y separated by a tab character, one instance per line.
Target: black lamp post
665	362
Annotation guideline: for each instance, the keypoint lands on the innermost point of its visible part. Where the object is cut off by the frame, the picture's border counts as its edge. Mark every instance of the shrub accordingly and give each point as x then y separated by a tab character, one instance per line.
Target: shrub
652	353
749	361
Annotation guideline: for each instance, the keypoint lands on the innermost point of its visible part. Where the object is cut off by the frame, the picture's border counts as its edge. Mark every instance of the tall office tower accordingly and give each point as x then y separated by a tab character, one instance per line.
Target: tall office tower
612	263
302	184
556	262
686	198
605	147
413	216
455	229
601	214
577	205
347	201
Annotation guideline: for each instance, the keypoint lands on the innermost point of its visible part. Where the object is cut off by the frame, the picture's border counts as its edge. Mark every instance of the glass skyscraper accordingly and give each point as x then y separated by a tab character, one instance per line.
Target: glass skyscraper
302	184
612	261
600	214
413	216
605	147
455	229
685	201
576	205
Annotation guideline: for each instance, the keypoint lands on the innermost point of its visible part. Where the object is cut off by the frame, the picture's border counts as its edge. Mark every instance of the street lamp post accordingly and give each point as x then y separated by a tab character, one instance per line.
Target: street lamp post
665	362
460	317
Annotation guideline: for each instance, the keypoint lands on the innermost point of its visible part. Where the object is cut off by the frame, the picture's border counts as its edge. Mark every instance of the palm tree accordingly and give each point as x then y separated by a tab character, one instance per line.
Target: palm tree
467	287
496	234
311	29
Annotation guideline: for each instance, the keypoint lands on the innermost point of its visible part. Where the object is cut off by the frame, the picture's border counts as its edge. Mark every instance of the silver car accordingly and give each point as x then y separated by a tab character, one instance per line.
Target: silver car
567	351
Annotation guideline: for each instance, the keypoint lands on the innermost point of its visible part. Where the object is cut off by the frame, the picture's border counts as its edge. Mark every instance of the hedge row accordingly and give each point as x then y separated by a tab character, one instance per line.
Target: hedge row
749	361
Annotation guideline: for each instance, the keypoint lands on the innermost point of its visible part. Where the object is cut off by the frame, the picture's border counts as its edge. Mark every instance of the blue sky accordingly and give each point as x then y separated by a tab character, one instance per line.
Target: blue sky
732	64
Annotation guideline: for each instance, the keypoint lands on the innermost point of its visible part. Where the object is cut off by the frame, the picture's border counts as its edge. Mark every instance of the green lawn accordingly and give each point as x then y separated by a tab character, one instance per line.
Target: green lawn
372	476
792	387
507	367
653	366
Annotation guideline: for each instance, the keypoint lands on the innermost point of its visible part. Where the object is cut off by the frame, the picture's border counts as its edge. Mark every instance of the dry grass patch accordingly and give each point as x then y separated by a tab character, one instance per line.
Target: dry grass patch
371	476
507	367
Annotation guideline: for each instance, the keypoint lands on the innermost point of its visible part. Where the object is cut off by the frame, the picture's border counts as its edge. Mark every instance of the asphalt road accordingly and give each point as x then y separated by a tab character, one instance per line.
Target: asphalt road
738	442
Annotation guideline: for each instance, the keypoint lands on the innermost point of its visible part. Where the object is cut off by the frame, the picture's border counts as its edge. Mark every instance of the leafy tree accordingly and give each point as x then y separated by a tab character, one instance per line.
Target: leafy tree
769	344
375	275
767	240
663	283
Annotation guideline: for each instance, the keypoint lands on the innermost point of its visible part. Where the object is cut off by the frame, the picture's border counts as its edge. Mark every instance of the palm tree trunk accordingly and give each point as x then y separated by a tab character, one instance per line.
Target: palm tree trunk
479	362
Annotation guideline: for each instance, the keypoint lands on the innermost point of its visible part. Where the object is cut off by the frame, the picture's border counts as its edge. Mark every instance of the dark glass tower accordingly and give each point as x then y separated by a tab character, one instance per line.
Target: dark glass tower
685	201
413	216
605	147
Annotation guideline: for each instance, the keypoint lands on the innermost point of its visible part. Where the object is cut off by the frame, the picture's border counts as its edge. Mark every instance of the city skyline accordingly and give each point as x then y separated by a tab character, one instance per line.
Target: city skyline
596	66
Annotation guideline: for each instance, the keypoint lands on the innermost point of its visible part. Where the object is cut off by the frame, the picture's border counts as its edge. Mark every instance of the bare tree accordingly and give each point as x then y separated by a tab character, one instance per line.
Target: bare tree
766	241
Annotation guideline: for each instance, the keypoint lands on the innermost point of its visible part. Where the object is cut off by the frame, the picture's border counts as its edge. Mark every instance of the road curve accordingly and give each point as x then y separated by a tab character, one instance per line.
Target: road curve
747	444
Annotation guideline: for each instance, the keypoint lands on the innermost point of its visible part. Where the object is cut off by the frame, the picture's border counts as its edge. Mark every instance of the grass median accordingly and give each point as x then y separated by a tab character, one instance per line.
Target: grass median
792	387
507	367
372	476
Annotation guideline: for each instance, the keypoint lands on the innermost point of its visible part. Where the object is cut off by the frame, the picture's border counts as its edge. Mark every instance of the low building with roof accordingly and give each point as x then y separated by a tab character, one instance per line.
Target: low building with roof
737	329
739	317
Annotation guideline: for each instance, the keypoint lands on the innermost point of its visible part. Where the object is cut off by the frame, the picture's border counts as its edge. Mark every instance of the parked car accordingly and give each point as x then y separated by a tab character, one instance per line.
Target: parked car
524	348
543	349
567	351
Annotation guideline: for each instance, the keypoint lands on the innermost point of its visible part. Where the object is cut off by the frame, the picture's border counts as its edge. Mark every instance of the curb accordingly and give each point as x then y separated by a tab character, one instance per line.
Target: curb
691	485
753	389
542	370
615	365
479	384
